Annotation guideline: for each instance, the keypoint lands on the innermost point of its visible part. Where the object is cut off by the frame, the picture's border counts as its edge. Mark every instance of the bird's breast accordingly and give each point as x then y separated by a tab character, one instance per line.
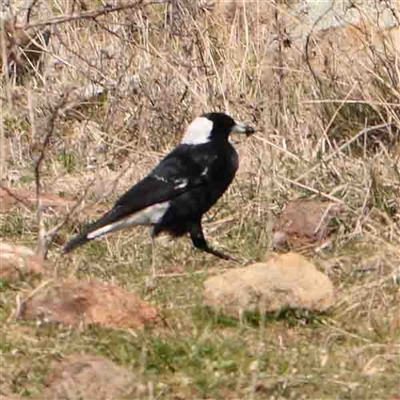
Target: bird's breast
230	160
222	172
234	160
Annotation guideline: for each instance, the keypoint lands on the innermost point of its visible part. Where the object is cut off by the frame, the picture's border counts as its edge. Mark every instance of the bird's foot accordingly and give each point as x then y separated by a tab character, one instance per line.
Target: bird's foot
220	254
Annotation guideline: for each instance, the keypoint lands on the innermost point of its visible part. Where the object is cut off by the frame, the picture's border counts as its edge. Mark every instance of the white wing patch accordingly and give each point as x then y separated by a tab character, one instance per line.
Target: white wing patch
181	183
198	132
160	178
148	216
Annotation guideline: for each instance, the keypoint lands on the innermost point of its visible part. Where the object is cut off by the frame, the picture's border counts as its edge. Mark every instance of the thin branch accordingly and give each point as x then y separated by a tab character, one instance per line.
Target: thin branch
342	147
2	143
52	232
91	14
42	247
29	12
312	190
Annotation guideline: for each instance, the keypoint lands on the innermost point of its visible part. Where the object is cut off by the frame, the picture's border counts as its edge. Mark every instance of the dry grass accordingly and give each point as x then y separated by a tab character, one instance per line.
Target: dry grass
157	69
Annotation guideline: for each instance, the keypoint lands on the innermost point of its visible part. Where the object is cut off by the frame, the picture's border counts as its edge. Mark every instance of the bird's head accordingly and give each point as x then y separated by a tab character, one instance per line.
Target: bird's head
214	126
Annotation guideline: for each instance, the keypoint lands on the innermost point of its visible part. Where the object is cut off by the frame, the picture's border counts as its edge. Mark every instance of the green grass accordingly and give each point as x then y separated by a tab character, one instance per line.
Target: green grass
346	353
213	361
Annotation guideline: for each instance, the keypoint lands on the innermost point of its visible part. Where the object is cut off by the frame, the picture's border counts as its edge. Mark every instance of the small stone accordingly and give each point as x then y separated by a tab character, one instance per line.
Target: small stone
287	280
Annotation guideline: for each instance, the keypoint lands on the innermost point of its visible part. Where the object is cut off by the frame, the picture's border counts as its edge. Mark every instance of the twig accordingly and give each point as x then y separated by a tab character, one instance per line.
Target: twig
52	232
42	247
323	217
21	303
280	72
322	194
189	274
350	101
19	307
182	78
341	148
2	143
347	333
29	12
4	68
275	146
91	14
308	43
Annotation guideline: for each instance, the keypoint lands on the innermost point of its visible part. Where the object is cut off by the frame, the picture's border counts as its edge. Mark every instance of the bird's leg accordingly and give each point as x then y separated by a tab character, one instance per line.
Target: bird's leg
199	241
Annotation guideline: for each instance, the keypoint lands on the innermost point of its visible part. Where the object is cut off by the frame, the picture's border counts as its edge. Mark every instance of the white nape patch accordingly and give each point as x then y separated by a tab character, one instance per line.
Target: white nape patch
198	132
148	216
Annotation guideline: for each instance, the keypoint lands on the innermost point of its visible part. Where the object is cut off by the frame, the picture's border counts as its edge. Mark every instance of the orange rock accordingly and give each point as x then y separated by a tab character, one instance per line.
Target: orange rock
304	221
287	280
73	302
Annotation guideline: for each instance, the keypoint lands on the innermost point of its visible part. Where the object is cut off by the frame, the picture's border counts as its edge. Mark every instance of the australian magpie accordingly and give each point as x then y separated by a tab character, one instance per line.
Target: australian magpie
181	188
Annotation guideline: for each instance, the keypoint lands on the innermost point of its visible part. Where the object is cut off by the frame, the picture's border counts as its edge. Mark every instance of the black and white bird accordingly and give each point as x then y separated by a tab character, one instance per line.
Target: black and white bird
181	188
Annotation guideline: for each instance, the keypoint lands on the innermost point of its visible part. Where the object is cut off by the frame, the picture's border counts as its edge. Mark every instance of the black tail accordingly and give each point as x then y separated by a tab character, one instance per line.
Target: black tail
76	241
111	216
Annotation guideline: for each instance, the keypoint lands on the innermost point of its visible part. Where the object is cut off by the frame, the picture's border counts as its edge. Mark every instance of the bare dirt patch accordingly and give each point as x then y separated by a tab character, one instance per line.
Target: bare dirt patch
88	377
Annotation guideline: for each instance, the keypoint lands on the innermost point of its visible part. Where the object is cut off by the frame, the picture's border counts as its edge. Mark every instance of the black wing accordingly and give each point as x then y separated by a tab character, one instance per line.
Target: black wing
180	171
